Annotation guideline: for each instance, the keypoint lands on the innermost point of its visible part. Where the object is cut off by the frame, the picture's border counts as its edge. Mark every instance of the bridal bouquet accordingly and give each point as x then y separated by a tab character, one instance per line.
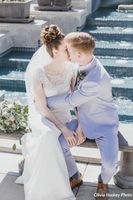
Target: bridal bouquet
13	117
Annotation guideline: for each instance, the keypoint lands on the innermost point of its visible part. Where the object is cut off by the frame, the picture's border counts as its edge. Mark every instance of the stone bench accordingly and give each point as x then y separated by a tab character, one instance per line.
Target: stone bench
123	178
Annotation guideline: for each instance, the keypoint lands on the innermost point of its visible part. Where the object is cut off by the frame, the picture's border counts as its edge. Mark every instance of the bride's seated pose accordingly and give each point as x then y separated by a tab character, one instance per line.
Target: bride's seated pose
50	171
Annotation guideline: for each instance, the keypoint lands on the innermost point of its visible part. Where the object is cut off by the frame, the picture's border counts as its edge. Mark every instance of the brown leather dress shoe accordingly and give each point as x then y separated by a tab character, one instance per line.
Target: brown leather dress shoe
76	182
102	191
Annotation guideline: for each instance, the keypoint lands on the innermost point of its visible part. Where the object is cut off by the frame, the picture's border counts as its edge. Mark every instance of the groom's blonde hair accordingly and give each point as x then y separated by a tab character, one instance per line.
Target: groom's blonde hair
81	41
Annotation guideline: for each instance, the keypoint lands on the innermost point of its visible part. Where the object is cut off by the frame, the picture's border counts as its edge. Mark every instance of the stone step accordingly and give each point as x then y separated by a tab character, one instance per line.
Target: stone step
117	66
113	48
123	104
111	33
123	87
16	59
110	17
5	42
12	80
114	3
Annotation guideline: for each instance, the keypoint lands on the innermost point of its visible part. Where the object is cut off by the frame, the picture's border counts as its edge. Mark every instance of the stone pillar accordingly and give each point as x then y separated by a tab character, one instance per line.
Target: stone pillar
124	178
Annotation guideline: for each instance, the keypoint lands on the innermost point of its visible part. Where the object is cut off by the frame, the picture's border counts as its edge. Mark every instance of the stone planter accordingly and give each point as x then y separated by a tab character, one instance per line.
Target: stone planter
15	9
54	4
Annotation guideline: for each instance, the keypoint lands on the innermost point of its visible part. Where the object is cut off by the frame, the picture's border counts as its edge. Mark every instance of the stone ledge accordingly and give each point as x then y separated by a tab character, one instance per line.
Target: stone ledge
69	21
7	142
16	20
5	41
21	35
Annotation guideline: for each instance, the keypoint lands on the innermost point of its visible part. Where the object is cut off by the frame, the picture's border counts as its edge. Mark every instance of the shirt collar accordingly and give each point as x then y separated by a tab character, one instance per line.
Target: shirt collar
88	67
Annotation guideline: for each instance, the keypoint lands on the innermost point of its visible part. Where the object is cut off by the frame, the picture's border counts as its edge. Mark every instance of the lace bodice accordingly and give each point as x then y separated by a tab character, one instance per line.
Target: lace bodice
57	82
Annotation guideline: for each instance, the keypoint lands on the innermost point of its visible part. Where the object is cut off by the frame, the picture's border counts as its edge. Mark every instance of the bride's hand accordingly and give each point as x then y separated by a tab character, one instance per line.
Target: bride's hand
79	134
69	136
81	139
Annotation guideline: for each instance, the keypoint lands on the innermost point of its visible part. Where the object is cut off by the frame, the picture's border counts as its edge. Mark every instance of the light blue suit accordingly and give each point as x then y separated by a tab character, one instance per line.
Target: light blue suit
97	113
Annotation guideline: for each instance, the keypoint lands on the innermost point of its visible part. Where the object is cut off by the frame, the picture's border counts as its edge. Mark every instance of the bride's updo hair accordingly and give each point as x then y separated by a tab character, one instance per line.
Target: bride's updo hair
51	36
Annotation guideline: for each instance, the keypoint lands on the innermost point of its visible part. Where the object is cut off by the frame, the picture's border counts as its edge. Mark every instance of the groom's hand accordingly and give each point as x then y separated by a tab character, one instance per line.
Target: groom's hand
69	136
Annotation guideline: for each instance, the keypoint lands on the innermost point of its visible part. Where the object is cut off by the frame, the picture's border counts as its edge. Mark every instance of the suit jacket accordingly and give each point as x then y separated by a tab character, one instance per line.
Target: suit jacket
93	98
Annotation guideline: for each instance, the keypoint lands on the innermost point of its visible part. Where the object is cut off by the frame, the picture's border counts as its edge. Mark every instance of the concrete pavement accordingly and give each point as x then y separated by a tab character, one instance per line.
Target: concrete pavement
11	191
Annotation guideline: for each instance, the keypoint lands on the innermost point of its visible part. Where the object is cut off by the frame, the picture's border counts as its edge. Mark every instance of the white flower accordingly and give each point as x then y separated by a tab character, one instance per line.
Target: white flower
13	116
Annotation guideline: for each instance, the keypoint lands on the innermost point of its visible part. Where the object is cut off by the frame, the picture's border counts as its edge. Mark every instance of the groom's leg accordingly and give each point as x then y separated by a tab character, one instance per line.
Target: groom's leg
108	146
70	162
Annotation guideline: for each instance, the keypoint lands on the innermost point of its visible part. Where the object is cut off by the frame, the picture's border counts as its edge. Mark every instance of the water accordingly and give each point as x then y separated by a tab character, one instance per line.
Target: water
113	14
114	44
16	96
124	82
15	75
113	29
124	106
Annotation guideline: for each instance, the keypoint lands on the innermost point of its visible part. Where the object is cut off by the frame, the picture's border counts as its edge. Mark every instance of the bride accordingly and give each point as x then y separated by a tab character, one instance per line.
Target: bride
48	161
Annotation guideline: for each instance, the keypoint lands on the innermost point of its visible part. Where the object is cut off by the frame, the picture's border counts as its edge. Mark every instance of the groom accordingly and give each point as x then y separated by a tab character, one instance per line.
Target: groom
93	98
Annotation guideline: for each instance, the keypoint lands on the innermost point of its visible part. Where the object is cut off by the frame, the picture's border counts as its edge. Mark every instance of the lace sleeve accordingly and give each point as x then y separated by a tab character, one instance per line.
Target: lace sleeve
37	76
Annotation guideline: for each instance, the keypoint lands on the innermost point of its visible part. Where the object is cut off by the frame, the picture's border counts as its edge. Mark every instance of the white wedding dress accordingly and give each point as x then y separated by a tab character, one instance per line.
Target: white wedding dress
45	175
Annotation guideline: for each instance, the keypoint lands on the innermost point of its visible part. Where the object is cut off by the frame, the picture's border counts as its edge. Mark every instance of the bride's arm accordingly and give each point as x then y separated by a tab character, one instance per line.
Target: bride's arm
41	104
79	132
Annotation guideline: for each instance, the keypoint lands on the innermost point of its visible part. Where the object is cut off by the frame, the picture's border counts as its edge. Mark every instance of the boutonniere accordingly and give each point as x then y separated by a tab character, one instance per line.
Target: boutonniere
80	76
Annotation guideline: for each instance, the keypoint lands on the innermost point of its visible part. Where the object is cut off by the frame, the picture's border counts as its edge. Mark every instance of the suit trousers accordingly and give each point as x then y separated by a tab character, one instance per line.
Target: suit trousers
70	162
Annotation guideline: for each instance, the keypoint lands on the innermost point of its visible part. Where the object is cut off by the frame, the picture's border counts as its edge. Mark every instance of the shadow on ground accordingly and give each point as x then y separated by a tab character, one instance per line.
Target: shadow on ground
9	190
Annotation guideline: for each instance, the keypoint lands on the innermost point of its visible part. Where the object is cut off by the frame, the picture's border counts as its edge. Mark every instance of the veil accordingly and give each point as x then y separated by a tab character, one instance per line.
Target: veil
40	59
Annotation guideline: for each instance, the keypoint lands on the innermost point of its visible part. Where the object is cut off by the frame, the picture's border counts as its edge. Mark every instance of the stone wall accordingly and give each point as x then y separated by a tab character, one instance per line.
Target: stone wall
20	35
